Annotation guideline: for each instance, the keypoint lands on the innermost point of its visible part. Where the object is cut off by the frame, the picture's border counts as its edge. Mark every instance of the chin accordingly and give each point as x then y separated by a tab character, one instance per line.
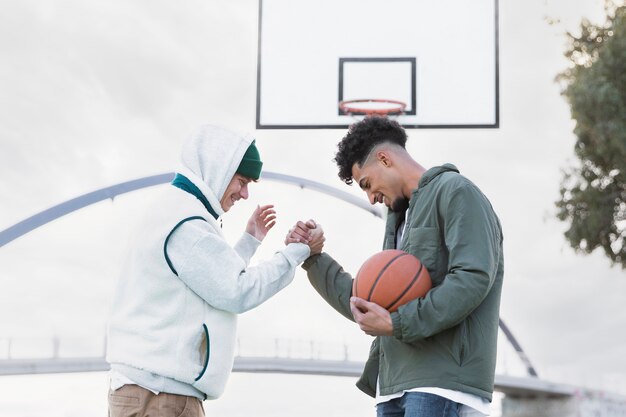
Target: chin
399	204
226	207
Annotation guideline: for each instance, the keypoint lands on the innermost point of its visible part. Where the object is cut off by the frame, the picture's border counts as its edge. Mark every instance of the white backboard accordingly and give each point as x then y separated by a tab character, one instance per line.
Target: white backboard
439	57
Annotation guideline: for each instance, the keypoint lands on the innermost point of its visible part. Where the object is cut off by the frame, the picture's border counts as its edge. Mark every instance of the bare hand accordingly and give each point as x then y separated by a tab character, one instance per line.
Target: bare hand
373	319
317	240
300	233
310	233
261	221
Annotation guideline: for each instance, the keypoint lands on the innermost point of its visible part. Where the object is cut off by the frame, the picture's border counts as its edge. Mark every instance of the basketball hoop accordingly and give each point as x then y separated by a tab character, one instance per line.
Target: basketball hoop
372	107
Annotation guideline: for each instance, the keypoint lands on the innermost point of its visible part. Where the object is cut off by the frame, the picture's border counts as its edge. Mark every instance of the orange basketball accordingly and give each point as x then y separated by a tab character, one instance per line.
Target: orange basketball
391	278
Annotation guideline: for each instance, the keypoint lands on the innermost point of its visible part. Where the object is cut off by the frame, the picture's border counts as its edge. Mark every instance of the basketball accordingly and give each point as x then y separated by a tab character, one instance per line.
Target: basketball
391	278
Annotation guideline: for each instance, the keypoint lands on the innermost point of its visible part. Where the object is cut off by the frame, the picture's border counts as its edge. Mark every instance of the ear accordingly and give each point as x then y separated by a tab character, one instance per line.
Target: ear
384	158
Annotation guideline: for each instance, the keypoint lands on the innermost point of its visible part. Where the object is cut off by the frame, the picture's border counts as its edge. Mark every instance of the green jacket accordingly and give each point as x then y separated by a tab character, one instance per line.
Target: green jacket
447	339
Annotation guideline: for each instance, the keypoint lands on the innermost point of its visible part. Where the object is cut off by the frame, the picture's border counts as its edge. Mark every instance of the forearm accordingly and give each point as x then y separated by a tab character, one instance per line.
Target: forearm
259	283
443	307
220	277
246	246
331	282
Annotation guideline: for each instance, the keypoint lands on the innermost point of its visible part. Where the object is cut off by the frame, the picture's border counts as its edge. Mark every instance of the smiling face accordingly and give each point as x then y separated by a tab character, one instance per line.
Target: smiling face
237	189
380	180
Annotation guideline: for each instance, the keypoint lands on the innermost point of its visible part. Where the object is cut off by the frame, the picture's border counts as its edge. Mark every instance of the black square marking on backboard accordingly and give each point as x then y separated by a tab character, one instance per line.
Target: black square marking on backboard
413	87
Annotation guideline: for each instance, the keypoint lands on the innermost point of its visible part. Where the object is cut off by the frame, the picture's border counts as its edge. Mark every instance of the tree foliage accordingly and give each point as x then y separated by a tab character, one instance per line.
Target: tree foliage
593	193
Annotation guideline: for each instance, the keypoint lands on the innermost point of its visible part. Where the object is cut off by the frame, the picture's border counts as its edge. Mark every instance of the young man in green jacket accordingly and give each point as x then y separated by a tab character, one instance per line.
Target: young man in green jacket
436	355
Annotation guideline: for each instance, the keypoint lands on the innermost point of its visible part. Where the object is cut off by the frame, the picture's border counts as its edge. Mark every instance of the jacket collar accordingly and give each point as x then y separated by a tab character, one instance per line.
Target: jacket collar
182	182
434	172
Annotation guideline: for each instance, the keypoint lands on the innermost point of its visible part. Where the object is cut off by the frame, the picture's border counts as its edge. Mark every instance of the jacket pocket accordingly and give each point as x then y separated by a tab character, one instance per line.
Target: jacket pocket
368	379
424	243
462	342
453	343
204	350
213	357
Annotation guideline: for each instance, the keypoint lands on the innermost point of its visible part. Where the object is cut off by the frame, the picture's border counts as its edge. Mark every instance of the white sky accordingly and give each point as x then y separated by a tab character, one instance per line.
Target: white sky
95	93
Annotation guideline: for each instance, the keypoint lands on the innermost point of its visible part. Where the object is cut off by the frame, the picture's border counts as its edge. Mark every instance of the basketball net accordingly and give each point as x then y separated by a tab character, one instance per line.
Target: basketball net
360	109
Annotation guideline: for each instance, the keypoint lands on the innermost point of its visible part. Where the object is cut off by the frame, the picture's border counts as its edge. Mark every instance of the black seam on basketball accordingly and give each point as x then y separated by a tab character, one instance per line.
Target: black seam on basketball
382	271
408	287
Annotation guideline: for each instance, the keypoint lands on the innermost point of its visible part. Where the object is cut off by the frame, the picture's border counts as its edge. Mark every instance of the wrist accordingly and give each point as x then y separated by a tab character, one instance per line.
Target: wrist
396	325
311	260
254	236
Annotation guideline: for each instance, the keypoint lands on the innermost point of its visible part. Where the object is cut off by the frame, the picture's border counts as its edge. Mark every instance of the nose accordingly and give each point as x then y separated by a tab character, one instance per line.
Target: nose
244	192
371	197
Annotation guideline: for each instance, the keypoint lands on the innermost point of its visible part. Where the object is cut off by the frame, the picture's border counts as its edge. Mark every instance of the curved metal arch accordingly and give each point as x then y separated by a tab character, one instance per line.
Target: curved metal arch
518	348
46	216
60	210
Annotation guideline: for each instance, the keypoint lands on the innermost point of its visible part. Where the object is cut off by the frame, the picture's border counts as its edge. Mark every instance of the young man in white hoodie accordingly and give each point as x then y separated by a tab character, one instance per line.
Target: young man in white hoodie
172	330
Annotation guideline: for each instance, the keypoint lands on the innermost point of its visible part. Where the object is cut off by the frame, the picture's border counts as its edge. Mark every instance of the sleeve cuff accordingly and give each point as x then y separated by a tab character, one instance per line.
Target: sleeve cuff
296	253
247	246
310	261
396	321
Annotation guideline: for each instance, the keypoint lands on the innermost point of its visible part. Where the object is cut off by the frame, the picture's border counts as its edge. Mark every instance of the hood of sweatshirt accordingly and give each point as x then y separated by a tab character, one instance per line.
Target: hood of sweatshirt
210	158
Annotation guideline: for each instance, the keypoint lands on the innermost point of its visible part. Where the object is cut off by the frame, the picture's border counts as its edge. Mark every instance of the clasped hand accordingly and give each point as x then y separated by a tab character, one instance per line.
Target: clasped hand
310	233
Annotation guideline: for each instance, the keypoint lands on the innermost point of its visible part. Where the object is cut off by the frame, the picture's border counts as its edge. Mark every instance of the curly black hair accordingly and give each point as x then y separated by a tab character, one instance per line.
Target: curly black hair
361	138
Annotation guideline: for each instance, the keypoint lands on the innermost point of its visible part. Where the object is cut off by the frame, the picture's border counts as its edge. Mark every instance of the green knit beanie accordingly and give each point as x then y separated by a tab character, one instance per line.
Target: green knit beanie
251	164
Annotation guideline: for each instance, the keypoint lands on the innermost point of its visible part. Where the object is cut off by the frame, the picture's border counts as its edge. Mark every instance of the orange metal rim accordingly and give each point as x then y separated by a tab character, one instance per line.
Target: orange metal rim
356	107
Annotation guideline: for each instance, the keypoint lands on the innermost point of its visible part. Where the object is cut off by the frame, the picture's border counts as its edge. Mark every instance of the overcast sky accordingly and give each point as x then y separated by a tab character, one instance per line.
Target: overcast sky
99	92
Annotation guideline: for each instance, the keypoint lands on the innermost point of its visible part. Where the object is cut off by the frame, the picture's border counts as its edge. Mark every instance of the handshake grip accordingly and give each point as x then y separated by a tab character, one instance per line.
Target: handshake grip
309	233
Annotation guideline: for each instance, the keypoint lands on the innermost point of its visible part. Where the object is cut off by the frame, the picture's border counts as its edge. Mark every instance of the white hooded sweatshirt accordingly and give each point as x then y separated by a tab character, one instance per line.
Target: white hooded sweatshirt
173	327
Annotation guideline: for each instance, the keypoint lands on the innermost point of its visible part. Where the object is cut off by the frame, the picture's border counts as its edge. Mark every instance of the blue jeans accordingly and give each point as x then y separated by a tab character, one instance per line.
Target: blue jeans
418	404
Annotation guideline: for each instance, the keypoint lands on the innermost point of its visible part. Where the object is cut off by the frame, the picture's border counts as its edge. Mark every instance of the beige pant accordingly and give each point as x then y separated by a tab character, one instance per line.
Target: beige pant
134	401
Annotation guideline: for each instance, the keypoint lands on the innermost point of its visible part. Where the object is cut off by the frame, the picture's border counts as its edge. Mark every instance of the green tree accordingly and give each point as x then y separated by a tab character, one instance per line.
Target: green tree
593	193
